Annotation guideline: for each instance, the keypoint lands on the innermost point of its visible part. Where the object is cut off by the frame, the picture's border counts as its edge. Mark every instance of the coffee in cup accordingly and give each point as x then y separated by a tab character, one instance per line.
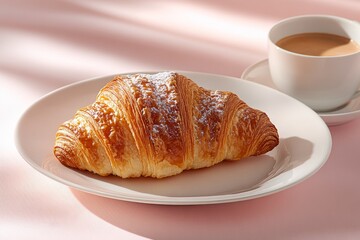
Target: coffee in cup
319	44
316	59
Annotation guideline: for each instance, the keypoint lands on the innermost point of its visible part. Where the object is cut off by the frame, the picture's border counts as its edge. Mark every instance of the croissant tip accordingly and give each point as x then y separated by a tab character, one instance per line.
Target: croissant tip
63	156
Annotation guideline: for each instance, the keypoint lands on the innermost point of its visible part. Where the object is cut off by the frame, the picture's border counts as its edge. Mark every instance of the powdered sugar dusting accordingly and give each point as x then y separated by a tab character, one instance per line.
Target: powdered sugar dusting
212	104
210	111
158	100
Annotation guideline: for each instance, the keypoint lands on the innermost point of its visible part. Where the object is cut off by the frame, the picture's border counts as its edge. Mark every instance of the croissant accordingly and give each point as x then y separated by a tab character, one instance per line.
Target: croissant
159	125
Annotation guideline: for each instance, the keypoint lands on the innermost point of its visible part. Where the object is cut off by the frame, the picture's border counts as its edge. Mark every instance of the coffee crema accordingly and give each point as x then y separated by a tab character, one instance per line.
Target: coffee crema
319	44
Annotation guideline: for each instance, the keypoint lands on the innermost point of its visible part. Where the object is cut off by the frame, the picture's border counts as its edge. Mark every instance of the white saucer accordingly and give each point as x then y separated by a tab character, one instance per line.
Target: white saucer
260	73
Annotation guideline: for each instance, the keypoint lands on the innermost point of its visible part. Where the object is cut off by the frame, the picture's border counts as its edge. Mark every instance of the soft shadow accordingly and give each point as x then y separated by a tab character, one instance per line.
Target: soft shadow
79	26
227	177
120	39
180	222
283	215
299	150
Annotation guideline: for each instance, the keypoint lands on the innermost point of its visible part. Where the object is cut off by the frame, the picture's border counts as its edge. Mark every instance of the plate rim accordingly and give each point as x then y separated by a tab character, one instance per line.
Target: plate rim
159	199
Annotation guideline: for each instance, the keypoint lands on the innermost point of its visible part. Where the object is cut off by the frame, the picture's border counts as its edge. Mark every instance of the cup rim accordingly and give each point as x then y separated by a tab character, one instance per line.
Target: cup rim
311	16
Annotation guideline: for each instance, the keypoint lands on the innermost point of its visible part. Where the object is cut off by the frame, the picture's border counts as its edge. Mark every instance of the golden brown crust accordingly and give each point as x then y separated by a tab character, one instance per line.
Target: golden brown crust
159	125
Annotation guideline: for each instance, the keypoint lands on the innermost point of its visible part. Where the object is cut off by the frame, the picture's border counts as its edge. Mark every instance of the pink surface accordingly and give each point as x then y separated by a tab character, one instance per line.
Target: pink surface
48	44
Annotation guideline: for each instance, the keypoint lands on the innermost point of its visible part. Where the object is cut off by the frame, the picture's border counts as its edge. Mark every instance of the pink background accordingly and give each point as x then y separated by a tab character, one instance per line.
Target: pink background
48	44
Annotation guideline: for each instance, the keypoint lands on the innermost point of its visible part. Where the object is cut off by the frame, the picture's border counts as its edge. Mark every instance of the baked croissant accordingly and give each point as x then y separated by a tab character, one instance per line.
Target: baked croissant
159	125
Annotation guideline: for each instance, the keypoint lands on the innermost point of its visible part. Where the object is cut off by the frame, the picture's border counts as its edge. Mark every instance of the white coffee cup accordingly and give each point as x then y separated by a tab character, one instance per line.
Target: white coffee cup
321	82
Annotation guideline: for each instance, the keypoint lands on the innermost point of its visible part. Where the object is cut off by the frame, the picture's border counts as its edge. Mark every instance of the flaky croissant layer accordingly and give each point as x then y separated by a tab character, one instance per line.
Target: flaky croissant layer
159	125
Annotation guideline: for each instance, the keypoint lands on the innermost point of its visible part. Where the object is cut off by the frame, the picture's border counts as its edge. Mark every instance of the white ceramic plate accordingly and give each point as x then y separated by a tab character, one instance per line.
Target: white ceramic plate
305	144
260	73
